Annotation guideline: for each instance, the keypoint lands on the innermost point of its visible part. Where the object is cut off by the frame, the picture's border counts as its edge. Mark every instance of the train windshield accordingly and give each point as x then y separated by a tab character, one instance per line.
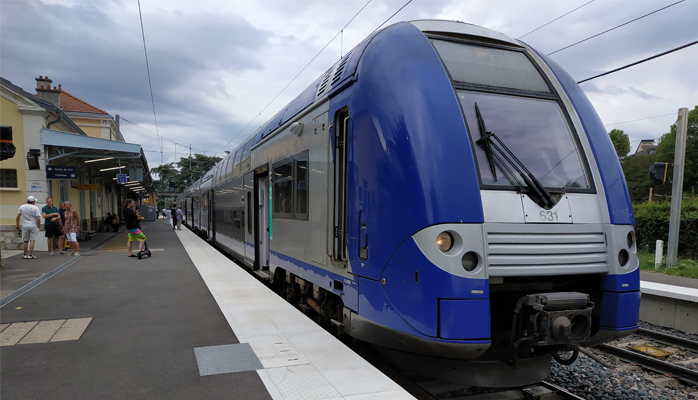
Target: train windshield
485	66
534	130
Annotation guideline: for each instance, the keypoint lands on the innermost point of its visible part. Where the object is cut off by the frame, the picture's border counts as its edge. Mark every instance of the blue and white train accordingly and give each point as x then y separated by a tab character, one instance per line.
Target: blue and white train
443	192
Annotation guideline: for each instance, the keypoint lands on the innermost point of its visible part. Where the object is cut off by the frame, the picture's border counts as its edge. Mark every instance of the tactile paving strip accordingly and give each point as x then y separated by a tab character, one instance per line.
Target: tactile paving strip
302	382
213	360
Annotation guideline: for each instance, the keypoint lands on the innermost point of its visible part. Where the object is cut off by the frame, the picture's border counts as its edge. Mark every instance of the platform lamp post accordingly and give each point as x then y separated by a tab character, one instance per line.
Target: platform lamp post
677	189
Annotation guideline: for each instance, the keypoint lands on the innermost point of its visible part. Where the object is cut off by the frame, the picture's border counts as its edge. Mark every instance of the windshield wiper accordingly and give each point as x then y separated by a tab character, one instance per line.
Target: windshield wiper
498	153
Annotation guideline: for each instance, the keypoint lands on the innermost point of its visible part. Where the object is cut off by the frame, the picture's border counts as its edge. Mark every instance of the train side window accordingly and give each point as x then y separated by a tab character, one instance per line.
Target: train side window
229	166
282	176
248	148
237	158
249	212
301	186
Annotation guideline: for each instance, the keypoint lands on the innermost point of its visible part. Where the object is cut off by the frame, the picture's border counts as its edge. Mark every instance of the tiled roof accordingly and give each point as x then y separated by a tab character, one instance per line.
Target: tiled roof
645	147
71	103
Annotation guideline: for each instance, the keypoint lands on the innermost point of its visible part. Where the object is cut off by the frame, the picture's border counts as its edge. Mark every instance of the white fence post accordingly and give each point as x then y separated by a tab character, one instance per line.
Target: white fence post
658	252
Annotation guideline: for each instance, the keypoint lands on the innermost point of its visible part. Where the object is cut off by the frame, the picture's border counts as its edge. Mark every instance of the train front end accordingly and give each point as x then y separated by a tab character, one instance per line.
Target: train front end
494	227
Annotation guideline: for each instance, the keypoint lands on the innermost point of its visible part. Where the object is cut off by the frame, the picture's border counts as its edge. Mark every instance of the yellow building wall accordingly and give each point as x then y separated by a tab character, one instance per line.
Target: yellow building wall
10	198
89	126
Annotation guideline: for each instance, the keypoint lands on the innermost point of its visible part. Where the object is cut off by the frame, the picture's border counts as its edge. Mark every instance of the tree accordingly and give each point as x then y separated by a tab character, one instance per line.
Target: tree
171	179
165	173
200	164
667	147
621	142
637	175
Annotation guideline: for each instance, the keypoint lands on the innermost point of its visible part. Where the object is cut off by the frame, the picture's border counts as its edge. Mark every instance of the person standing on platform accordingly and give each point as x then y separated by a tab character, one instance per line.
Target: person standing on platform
62	239
173	212
168	215
179	216
132	225
71	227
31	220
52	226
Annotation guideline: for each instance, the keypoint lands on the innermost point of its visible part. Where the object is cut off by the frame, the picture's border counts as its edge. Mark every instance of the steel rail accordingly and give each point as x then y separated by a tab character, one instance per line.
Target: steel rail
682	374
561	391
668	339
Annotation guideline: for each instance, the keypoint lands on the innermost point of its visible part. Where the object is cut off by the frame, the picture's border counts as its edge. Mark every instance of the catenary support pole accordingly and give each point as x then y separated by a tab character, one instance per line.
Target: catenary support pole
677	189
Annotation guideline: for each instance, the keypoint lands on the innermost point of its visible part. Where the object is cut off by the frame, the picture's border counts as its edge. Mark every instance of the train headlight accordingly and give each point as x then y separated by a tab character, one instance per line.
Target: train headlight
444	241
623	257
631	239
469	261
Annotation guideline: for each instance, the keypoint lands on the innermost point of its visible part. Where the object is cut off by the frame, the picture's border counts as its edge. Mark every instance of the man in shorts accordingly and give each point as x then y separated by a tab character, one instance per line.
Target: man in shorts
52	226
31	219
133	227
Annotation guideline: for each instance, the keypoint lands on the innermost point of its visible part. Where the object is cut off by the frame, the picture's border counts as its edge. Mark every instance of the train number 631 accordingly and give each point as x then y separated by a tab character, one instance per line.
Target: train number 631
548	216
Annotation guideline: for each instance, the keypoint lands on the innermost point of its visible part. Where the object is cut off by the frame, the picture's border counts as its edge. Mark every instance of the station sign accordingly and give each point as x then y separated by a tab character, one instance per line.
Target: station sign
121	178
61	172
88	186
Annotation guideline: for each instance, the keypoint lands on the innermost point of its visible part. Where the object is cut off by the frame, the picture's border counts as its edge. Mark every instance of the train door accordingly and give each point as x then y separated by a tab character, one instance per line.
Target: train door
340	131
203	221
263	233
249	214
211	223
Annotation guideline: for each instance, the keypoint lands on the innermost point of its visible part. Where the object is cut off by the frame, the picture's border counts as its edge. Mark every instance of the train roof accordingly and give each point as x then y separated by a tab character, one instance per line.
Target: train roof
343	73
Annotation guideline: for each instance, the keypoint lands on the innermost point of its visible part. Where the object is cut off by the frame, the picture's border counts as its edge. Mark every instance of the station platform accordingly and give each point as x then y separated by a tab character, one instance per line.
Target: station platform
669	301
185	323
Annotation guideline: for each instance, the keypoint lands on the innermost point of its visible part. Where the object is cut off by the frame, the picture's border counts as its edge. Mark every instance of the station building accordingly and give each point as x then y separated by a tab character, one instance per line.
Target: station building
57	145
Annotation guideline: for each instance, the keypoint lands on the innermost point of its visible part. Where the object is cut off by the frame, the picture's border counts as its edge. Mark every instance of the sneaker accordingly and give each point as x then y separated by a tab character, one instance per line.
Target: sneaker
25	256
77	254
50	253
60	253
32	257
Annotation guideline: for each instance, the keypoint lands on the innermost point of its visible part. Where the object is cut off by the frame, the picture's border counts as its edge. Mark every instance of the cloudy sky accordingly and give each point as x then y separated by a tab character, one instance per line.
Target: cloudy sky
217	66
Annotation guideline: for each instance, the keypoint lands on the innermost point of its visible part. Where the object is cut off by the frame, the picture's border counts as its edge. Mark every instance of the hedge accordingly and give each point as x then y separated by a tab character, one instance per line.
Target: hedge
652	224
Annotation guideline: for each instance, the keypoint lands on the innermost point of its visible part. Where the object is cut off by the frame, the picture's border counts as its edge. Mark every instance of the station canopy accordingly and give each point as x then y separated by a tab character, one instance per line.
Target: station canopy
100	159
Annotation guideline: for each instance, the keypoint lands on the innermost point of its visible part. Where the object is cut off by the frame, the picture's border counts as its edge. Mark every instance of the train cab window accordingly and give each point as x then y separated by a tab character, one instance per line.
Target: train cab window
534	130
490	66
282	176
302	186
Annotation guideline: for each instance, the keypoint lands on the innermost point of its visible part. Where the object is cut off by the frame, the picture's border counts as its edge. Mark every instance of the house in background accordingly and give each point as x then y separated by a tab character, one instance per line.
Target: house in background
67	149
645	147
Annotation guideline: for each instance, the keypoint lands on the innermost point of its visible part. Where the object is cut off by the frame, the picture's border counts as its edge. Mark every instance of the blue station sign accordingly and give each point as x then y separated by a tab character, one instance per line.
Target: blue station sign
121	178
61	172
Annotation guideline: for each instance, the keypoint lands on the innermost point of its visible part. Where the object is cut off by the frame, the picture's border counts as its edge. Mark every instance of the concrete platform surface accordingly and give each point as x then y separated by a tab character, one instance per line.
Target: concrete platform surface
147	317
669	280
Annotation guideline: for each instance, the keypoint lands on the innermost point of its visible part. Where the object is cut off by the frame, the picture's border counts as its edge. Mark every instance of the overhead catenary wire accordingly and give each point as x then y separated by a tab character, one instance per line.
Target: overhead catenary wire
150	84
391	17
641	61
565	14
164	138
294	78
616	27
640	119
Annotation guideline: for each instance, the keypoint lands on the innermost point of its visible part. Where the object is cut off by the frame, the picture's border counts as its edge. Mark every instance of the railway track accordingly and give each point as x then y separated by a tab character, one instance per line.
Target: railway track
679	372
429	389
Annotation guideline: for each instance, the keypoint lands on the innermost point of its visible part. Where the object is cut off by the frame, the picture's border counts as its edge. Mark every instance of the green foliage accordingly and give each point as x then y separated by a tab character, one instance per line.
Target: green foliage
621	142
183	173
667	147
637	175
652	224
686	268
160	204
